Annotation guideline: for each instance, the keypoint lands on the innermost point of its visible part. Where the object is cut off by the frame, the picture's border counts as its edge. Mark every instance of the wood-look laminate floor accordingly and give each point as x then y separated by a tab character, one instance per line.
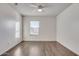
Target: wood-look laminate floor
39	49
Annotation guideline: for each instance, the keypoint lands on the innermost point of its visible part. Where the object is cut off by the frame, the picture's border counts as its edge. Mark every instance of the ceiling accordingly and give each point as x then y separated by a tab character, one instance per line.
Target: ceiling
50	9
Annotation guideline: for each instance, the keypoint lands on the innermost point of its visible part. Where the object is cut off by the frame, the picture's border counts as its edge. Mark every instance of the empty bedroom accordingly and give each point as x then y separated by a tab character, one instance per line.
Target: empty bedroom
39	29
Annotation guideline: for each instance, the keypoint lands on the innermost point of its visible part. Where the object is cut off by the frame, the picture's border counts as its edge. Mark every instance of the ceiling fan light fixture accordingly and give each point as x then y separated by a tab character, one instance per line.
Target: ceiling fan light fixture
39	10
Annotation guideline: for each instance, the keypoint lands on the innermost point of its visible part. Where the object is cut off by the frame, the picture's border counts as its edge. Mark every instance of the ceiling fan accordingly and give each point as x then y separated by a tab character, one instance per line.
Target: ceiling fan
38	6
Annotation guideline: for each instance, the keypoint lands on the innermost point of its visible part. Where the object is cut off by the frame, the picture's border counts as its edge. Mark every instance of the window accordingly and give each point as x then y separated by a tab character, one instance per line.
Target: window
34	27
17	35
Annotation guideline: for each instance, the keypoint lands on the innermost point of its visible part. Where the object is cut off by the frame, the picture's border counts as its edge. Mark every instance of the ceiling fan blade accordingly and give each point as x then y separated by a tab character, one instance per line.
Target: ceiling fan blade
33	5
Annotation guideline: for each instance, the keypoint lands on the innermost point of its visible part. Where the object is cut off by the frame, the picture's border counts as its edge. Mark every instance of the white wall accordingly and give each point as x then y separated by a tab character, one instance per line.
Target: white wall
47	30
68	28
8	18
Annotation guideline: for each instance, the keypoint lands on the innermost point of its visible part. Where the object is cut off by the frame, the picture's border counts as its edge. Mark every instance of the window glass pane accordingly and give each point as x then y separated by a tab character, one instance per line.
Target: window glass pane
17	35
34	24
34	27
